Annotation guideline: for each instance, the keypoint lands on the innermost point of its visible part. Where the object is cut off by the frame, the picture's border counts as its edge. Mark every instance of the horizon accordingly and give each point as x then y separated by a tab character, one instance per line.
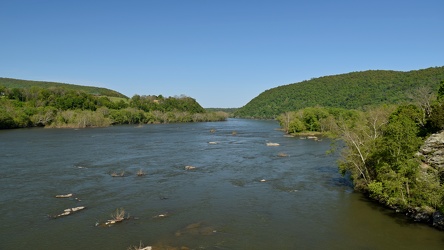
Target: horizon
223	54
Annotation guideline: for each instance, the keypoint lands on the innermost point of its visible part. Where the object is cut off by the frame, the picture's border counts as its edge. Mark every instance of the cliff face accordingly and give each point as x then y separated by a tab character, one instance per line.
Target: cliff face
433	152
432	156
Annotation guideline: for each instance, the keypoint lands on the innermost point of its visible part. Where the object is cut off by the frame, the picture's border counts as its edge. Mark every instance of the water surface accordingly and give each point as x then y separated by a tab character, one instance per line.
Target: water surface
242	194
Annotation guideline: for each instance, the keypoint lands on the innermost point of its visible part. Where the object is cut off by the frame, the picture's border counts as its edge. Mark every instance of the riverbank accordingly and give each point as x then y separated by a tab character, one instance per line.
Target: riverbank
429	162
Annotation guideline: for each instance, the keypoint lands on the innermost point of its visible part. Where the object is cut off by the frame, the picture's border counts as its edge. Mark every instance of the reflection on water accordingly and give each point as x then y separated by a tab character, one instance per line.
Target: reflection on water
242	194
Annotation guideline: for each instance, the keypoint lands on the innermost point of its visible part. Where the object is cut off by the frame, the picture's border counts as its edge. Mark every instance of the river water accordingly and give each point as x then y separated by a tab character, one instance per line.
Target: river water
242	193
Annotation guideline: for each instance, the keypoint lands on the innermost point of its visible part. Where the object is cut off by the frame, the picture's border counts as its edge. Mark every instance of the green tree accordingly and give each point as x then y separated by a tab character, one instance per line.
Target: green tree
361	135
392	158
6	120
441	91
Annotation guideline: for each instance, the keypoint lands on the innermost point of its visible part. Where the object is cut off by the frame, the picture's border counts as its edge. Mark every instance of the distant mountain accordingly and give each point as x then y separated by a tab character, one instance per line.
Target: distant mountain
17	83
352	91
226	110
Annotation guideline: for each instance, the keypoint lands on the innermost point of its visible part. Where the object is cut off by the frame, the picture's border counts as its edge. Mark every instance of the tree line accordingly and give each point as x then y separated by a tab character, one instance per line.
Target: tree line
350	91
26	84
381	146
65	107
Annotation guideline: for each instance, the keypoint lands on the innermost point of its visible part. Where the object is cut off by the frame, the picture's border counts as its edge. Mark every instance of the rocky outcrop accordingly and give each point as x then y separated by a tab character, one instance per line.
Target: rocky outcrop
69	211
433	151
432	156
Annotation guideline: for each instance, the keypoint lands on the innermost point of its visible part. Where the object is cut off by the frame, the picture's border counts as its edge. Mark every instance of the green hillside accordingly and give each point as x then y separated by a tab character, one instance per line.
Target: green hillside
25	104
351	91
17	83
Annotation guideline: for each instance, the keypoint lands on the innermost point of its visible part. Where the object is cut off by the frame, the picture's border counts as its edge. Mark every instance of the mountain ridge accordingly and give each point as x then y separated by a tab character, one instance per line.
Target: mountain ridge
20	83
352	90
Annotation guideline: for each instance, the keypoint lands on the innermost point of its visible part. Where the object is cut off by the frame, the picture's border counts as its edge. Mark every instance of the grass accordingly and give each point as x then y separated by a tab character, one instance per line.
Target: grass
118	215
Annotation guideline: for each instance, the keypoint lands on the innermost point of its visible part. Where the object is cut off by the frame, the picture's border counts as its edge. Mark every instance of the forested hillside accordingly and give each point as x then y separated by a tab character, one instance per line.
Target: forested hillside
351	91
26	84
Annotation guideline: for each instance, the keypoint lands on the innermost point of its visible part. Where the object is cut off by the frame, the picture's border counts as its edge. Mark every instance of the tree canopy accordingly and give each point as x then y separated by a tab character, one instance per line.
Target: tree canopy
350	91
27	84
65	107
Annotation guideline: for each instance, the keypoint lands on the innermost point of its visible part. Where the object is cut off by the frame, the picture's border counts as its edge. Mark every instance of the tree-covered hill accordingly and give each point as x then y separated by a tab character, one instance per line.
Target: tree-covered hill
17	83
351	91
229	111
60	107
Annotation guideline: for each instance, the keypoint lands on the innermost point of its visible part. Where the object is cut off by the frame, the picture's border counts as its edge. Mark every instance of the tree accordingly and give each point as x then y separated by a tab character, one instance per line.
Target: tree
354	159
423	97
6	120
441	91
284	120
361	135
436	120
392	158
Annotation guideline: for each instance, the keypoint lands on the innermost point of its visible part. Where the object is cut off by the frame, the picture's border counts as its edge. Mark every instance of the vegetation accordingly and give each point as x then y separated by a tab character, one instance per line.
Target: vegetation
349	91
118	215
60	107
229	111
381	146
26	84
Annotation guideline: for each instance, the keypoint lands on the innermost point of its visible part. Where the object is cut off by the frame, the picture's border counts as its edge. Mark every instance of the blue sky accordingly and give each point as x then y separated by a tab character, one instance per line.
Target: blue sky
222	53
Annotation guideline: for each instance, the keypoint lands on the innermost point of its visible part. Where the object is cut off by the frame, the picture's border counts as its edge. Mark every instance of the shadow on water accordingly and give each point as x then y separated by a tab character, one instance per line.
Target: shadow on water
400	218
334	180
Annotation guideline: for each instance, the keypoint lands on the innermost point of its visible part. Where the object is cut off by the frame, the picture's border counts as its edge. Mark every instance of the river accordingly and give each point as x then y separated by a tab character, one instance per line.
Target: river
241	194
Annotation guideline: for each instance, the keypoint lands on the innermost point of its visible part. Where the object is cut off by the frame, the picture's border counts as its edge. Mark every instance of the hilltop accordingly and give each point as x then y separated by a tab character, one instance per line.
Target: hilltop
25	84
350	91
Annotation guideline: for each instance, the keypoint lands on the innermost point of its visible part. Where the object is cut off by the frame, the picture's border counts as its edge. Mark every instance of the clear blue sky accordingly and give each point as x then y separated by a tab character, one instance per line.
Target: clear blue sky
223	53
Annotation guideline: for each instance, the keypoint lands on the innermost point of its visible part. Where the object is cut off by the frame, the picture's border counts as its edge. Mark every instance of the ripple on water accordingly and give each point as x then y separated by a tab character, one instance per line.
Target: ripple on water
241	195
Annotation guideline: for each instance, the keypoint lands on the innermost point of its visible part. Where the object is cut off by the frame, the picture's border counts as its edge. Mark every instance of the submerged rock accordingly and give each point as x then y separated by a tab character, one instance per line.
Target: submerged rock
115	174
164	215
438	220
198	228
162	246
419	215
